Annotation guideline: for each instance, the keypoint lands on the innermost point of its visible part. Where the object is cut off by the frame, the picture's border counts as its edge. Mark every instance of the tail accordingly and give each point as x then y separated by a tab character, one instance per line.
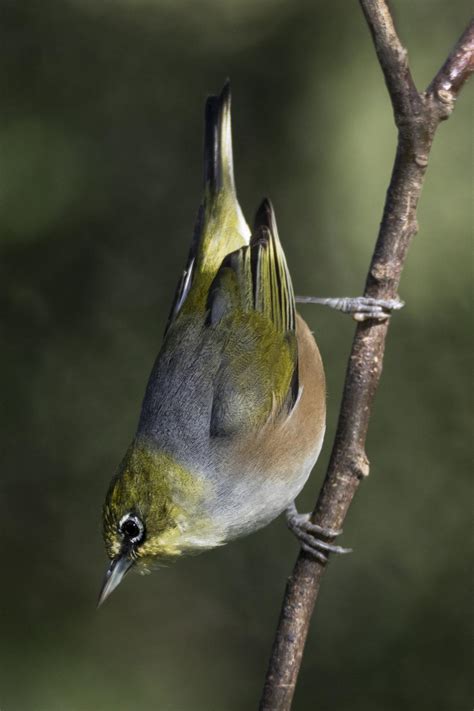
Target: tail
218	154
221	227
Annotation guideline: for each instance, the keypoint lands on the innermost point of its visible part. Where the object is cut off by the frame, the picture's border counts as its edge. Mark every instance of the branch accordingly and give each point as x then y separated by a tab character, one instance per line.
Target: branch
417	116
456	70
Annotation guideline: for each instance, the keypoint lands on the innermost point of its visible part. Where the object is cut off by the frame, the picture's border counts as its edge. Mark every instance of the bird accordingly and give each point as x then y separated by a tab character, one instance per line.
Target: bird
234	412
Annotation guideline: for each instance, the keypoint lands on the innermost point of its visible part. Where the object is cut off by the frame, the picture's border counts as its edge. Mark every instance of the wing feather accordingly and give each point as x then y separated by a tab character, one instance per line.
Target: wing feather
251	306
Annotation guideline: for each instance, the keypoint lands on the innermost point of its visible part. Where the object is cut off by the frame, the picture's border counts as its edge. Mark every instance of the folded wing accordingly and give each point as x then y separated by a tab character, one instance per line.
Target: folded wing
251	307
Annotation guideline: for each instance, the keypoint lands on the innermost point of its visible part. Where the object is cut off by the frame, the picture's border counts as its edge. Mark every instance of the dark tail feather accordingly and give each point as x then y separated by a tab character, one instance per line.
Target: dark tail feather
218	156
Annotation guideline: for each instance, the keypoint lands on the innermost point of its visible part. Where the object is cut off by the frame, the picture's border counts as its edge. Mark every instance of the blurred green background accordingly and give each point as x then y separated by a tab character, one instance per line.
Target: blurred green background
100	169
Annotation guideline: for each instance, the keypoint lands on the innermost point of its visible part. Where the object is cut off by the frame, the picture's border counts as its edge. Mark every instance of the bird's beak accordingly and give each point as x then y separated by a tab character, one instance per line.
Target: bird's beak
117	570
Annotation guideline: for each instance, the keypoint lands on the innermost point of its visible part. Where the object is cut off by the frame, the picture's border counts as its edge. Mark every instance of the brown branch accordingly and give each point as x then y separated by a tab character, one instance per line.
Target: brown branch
417	116
456	69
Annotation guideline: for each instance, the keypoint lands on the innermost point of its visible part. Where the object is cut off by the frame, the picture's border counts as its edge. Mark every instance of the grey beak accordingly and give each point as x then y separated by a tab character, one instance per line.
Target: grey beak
118	568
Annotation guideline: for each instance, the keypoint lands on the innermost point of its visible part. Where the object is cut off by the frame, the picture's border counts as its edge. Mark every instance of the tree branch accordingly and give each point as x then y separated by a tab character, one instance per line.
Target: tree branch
456	69
417	116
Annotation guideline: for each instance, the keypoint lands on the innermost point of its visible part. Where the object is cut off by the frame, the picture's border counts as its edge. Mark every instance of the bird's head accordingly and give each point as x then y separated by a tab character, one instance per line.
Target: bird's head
143	520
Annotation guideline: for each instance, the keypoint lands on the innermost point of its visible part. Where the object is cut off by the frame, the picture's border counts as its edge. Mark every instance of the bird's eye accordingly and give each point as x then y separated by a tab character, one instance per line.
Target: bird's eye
131	528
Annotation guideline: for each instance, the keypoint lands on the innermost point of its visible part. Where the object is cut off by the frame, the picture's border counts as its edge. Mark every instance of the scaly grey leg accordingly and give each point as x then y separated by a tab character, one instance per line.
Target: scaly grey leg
309	533
361	307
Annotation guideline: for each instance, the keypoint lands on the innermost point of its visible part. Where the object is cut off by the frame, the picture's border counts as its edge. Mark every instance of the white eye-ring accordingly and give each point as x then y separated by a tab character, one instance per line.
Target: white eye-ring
131	528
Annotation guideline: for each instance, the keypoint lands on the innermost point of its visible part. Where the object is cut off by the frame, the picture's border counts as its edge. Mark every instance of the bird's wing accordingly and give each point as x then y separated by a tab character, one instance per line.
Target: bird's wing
251	312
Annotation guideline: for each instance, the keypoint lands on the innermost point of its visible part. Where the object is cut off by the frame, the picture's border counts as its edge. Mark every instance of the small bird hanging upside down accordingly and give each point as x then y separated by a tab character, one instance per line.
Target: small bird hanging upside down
234	412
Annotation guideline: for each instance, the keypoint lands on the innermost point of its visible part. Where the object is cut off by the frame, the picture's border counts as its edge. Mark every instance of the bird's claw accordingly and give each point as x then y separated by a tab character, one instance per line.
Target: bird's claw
309	533
364	307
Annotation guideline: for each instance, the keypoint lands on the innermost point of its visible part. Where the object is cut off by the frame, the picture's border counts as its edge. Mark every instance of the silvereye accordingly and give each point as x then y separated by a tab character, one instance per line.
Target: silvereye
234	412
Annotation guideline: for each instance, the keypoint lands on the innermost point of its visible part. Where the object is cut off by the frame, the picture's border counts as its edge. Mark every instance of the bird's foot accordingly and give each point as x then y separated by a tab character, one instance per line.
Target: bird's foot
360	307
309	534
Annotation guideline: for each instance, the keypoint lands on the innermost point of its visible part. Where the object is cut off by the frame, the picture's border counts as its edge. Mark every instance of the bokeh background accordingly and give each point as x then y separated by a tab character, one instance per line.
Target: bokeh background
100	170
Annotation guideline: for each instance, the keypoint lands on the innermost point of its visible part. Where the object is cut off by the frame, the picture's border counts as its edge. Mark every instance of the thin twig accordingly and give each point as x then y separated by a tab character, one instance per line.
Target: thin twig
417	116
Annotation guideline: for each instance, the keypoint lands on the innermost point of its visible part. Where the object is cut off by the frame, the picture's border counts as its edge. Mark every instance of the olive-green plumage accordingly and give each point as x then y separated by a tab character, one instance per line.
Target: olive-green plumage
234	412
